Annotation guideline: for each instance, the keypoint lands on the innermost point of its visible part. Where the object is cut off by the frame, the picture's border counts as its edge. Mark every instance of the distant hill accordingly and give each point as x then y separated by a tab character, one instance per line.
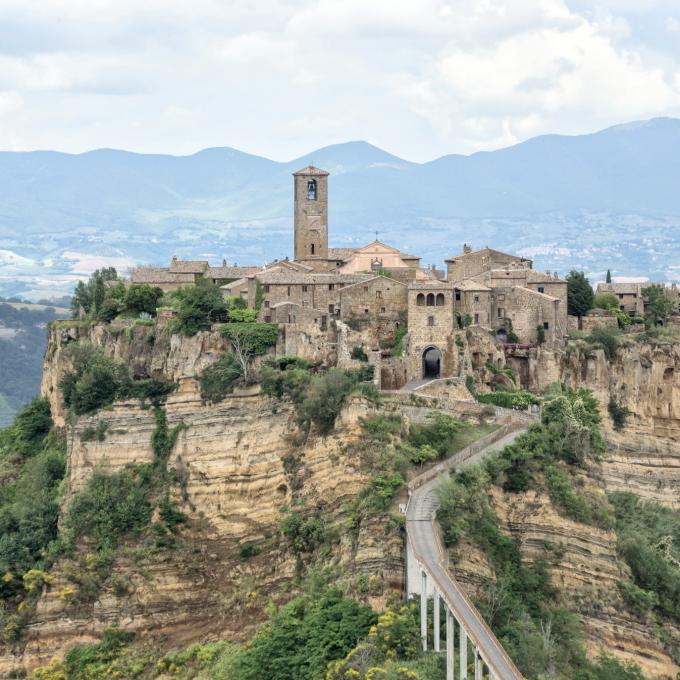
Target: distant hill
23	339
604	200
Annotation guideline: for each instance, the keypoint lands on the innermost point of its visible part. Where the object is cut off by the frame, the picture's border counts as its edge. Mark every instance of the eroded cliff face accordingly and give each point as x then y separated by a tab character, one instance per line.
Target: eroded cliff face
236	465
585	571
644	457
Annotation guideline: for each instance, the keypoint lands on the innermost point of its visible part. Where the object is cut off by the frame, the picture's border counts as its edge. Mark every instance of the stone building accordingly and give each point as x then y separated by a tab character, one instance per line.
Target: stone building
629	296
475	262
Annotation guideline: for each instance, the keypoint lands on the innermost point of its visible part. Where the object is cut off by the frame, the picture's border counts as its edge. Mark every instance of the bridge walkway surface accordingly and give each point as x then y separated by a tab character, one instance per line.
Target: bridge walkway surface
427	569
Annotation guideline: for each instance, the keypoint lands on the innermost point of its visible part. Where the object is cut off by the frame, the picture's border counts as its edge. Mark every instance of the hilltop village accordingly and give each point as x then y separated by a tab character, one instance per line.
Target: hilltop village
390	298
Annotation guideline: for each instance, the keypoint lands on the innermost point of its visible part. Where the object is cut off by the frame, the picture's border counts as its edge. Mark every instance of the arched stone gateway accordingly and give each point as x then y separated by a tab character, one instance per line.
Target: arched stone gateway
502	335
432	359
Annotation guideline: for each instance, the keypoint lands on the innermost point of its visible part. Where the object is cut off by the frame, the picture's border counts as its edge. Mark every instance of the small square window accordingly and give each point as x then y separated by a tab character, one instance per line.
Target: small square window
304	289
382	310
541	289
546	325
476	298
266	304
430	321
267	319
331	286
266	289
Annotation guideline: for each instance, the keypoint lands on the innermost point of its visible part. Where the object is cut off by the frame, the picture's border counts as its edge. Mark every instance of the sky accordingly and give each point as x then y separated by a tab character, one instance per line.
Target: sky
280	78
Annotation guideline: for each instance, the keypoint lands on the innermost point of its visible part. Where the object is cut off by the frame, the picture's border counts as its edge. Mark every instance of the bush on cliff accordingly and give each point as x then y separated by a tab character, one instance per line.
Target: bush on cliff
96	380
318	397
32	466
198	307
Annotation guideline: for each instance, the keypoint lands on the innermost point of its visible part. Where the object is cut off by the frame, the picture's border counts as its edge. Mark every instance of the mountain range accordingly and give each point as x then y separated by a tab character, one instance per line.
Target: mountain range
610	199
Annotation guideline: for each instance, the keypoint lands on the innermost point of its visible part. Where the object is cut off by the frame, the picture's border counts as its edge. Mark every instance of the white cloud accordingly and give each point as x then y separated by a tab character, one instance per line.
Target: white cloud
279	77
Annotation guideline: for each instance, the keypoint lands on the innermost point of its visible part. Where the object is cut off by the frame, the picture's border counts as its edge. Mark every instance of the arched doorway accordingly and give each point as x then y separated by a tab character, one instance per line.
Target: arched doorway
502	335
432	359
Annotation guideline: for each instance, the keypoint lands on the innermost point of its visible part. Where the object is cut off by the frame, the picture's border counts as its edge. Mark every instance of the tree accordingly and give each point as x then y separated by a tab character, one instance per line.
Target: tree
657	306
609	276
579	294
605	301
141	297
199	307
88	297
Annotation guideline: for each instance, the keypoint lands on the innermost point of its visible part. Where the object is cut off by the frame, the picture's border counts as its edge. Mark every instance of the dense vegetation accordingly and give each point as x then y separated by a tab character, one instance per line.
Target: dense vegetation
649	541
318	396
322	634
520	604
96	380
32	465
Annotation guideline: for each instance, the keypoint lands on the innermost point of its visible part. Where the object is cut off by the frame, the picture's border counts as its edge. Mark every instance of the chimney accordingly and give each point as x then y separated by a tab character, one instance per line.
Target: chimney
467	248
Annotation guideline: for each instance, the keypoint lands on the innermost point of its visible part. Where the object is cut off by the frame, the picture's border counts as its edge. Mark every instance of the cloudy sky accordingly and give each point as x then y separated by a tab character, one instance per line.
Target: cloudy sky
279	78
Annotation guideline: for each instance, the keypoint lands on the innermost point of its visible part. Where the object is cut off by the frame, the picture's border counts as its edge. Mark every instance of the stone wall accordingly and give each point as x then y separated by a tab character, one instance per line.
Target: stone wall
374	297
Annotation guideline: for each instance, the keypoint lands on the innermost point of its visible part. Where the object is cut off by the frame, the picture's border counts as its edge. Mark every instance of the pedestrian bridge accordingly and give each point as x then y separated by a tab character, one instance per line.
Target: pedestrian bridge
469	640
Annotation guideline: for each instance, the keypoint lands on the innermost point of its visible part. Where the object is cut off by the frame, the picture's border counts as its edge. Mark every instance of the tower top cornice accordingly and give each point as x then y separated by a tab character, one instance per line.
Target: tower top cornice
312	170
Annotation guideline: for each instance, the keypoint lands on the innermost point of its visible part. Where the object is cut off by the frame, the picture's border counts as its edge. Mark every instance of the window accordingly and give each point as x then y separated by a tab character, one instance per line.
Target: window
311	190
430	299
541	289
266	289
420	300
266	304
366	311
476	298
331	308
378	294
477	318
288	291
267	319
331	286
365	289
501	297
304	289
382	310
457	295
620	296
312	247
430	321
440	300
501	312
546	325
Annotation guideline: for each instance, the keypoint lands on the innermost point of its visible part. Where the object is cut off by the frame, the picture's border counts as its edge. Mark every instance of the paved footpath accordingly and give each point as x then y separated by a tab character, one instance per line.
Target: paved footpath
423	535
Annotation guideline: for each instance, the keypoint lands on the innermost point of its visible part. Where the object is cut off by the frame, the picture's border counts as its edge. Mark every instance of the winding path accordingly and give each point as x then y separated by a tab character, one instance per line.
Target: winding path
426	549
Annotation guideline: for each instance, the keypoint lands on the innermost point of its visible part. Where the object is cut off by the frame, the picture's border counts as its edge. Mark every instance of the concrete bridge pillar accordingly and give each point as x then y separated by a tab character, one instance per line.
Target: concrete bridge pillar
463	654
478	666
423	610
435	618
450	644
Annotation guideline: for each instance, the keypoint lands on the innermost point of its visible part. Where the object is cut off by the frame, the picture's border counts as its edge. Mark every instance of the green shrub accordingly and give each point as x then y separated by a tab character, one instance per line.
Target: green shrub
358	354
142	298
251	338
239	315
438	434
399	335
219	379
304	535
607	339
520	400
618	413
98	432
198	307
303	637
540	334
248	550
605	301
97	381
110	506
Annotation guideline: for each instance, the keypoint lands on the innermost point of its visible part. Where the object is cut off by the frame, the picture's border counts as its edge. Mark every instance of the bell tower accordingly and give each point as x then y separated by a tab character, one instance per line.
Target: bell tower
311	214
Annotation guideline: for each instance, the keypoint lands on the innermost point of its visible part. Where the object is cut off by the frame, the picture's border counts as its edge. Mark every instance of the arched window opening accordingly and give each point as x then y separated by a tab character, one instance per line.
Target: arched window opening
430	321
420	300
311	190
440	299
430	299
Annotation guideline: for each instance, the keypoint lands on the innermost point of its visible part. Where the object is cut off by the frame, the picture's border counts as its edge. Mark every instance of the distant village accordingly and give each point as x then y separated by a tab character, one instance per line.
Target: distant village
383	294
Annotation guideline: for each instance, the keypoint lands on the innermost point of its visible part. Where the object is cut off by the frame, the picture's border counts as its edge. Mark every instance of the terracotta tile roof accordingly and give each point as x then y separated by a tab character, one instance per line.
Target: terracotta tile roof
229	272
312	170
627	288
159	275
281	277
340	253
188	266
235	284
430	284
471	285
